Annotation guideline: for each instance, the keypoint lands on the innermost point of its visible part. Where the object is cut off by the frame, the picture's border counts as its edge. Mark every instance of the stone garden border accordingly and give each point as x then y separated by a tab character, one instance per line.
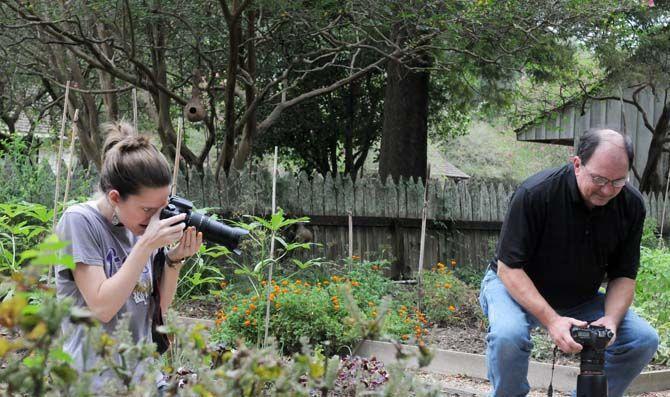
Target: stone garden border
449	362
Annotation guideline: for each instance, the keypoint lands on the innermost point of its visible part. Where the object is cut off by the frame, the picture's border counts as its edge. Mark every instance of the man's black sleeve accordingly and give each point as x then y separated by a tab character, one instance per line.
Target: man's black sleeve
520	230
626	259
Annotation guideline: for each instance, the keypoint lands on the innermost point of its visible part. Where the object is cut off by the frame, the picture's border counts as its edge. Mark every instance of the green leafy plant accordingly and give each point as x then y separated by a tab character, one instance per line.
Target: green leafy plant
22	225
650	237
202	275
652	293
448	300
261	232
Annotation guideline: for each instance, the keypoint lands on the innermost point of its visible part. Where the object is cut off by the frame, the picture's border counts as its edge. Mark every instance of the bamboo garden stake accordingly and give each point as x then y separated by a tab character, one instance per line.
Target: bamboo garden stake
58	161
422	247
71	159
268	287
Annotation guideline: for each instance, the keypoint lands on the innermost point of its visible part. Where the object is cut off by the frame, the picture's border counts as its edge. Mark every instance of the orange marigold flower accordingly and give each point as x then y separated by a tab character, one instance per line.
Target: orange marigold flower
355	257
234	309
247	323
284	282
453	263
247	312
355	283
451	308
298	282
374	267
272	296
405	337
223	284
326	282
254	298
447	285
264	283
252	307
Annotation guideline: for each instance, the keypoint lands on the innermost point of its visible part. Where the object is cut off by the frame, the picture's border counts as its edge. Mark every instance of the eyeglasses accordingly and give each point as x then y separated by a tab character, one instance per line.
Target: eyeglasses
602	181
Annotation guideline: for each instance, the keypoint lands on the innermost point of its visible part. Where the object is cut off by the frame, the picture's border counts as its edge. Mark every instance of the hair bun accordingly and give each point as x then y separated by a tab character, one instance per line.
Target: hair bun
122	136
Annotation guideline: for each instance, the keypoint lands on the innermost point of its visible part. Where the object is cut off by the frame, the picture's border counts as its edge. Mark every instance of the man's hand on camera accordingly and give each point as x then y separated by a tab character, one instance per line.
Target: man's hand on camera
609	323
559	331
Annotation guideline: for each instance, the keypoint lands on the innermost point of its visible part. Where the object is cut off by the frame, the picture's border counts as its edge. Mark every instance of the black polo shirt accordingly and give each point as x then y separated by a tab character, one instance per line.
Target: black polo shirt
565	248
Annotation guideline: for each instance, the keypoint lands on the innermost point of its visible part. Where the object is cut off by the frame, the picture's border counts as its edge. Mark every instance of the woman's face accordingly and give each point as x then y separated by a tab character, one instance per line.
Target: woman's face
136	210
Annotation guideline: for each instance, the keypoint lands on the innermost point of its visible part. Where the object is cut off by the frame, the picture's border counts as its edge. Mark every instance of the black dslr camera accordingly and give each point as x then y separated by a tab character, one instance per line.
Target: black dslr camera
213	231
594	339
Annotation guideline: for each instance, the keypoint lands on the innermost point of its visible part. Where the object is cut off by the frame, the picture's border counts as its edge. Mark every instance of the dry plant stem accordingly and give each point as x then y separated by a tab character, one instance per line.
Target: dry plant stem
665	200
268	287
60	152
135	108
58	161
175	170
351	238
71	160
422	247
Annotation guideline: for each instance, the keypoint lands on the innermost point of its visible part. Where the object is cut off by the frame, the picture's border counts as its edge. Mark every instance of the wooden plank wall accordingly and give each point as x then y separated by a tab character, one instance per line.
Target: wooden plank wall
464	217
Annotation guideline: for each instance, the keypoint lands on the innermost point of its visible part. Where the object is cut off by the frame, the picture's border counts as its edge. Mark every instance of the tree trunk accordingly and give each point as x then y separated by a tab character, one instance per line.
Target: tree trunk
234	40
350	113
246	143
653	175
404	145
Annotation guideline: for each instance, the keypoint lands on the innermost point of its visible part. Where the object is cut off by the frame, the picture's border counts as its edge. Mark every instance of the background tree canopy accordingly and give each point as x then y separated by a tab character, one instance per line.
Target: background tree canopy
331	83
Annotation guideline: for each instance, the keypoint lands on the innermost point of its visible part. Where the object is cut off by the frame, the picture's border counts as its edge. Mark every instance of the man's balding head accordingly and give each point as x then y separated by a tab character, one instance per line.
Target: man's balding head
594	137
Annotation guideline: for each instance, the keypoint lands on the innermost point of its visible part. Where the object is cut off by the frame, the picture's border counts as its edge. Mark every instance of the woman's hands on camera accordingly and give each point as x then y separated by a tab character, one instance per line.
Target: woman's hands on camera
189	244
162	232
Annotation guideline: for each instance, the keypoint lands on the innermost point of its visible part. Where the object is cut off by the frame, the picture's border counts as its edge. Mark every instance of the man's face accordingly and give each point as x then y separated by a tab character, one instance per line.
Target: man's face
608	163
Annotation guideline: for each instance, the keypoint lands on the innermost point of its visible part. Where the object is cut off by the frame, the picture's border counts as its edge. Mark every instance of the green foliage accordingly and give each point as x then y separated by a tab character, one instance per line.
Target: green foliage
650	237
32	179
33	363
201	274
448	300
326	312
652	295
22	225
492	152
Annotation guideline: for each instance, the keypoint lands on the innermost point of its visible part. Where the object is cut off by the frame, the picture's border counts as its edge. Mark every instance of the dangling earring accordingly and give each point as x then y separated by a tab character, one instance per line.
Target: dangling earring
115	217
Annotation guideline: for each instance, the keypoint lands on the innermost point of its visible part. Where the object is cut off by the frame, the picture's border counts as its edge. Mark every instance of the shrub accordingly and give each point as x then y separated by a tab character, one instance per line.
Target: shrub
22	226
448	300
33	362
650	234
652	294
33	180
299	309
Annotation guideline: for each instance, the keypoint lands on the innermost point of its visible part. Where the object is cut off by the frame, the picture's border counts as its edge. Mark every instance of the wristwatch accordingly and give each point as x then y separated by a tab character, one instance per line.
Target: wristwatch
172	263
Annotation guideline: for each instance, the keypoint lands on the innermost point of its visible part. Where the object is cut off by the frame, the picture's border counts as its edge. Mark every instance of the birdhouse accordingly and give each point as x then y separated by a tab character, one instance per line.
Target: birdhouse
194	109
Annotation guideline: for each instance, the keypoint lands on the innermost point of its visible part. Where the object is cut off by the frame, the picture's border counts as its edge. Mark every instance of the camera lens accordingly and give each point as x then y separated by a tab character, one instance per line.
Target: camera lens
217	232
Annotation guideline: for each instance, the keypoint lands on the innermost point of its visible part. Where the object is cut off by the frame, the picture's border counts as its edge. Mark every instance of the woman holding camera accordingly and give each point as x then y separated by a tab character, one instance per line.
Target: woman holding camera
117	240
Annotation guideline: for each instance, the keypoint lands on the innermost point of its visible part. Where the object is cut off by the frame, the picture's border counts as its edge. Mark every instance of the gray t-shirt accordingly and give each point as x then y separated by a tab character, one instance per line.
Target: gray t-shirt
96	242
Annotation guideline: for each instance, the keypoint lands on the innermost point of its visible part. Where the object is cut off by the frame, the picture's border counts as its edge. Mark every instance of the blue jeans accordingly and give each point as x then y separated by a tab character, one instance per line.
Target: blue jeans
509	344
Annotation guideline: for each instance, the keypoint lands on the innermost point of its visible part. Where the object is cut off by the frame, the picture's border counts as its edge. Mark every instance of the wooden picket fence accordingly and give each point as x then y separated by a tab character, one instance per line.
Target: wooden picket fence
464	217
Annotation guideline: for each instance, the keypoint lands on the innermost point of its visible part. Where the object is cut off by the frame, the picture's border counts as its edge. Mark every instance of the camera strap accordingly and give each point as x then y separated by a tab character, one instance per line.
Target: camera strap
550	389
